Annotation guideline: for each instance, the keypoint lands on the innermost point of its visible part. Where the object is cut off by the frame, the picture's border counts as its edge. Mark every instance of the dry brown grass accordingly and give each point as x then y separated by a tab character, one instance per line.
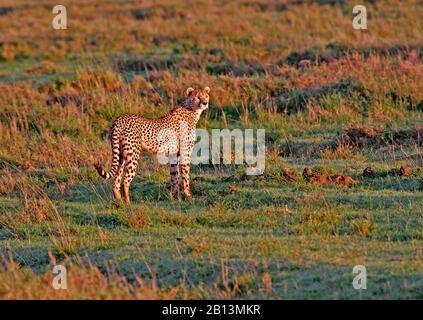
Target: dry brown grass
36	211
82	283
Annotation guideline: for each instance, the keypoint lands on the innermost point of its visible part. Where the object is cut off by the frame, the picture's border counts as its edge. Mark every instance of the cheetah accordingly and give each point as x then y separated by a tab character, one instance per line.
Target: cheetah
172	135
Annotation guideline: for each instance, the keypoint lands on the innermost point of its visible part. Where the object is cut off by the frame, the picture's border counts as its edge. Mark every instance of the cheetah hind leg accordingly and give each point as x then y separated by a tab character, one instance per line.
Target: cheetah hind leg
118	181
131	168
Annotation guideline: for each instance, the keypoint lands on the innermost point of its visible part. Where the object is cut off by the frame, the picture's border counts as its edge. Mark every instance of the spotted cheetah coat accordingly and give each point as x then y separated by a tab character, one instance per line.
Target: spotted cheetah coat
171	137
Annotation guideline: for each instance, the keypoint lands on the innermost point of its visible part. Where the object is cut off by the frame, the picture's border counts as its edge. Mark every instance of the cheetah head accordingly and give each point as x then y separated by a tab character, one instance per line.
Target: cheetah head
197	100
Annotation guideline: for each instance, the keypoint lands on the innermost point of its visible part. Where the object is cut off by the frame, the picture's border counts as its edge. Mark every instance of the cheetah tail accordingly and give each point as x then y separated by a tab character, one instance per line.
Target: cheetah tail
115	139
101	172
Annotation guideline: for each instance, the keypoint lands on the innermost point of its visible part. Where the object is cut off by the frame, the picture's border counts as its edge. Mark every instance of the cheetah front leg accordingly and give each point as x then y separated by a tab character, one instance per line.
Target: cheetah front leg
174	176
185	167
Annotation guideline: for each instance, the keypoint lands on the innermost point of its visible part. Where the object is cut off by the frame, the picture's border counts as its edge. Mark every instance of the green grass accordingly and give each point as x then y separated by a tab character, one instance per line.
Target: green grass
308	238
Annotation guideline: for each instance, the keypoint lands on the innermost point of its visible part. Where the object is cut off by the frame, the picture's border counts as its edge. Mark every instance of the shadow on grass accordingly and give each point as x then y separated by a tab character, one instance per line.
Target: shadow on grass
36	258
334	51
140	191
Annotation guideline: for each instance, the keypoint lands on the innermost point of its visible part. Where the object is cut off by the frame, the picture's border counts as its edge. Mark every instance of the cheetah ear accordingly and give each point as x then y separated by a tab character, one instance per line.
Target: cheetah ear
206	89
189	91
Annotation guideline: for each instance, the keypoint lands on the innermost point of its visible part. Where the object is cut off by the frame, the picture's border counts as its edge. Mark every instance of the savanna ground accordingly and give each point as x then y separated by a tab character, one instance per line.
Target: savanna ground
330	97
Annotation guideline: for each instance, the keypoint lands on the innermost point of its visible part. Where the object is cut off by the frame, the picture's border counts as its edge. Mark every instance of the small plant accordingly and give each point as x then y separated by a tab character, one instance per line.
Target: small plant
7	182
137	220
364	227
342	151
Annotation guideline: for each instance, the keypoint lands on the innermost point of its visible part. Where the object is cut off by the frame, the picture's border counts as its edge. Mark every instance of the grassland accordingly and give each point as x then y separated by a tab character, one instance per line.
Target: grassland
330	97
